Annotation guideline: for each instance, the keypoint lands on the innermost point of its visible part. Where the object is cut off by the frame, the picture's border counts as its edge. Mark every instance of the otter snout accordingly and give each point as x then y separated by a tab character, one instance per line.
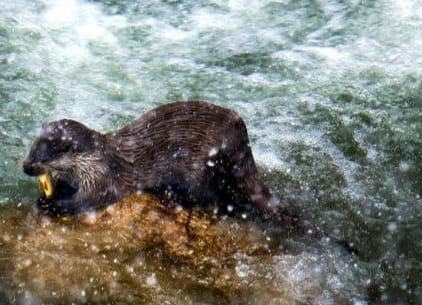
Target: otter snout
32	168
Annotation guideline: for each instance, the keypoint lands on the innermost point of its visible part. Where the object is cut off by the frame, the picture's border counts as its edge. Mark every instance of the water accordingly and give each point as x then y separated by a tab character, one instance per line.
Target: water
331	92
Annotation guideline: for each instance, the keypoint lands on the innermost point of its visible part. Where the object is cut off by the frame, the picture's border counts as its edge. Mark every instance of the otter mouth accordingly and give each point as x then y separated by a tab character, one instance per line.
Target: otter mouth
46	185
53	186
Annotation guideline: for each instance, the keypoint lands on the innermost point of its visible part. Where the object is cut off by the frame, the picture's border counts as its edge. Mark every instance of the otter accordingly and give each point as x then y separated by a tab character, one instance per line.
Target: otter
194	152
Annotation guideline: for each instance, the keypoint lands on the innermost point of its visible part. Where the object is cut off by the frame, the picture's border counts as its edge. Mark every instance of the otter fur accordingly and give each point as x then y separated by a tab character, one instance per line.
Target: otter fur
193	153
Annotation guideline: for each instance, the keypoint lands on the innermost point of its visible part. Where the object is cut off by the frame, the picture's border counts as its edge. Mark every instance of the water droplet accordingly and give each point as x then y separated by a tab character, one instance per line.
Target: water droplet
392	227
310	106
27	262
151	280
230	208
404	166
6	238
94	248
242	270
212	152
316	271
211	163
89	218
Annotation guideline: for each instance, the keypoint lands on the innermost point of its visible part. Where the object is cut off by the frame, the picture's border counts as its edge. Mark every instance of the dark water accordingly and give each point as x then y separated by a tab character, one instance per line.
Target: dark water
332	95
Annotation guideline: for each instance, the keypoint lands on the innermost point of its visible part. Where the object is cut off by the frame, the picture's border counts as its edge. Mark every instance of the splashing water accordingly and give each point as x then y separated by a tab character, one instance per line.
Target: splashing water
331	93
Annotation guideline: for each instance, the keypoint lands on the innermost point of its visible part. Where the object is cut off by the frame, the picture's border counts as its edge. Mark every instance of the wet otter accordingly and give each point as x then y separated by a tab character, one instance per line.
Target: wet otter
191	152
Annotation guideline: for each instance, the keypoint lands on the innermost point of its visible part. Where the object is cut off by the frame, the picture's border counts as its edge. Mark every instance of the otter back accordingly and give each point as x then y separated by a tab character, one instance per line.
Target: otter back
193	152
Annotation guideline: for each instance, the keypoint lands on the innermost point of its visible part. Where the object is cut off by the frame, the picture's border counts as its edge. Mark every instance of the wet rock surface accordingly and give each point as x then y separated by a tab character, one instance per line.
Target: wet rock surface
132	251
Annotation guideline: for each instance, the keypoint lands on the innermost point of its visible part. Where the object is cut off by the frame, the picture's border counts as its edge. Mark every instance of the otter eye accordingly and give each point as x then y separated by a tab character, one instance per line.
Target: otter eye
74	146
50	148
62	146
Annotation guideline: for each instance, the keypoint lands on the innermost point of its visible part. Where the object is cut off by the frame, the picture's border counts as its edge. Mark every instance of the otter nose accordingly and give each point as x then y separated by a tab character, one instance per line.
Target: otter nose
28	168
31	169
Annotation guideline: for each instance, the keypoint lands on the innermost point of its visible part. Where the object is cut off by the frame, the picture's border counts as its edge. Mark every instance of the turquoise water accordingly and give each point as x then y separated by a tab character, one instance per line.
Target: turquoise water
331	92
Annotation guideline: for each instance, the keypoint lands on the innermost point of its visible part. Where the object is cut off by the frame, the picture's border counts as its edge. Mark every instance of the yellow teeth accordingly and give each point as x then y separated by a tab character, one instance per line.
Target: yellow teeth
46	185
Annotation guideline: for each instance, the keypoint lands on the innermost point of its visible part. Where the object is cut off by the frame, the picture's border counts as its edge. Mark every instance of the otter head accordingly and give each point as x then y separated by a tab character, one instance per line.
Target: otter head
66	157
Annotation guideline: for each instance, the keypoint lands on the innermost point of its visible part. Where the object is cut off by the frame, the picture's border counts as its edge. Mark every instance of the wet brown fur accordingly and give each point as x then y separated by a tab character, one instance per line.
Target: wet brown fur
186	152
